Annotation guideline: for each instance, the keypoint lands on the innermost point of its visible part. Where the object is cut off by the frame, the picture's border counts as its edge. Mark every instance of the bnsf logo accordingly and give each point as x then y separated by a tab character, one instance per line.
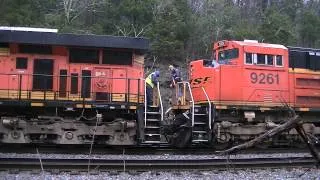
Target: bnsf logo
198	81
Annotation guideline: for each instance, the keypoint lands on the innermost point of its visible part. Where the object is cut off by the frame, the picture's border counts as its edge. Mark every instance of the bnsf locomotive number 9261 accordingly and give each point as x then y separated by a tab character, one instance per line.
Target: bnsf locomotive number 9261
264	78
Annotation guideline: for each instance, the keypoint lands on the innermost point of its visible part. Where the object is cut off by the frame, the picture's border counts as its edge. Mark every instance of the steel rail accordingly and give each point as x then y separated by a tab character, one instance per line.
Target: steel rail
153	164
102	150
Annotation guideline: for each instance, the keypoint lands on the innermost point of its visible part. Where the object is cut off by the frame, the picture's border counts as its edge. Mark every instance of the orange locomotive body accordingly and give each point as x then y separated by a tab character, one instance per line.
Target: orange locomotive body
64	83
251	74
247	87
246	74
71	73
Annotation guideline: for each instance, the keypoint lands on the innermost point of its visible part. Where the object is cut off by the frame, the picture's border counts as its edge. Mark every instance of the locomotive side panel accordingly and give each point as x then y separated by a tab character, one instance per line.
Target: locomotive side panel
266	75
120	85
252	74
231	79
306	88
230	72
66	85
304	71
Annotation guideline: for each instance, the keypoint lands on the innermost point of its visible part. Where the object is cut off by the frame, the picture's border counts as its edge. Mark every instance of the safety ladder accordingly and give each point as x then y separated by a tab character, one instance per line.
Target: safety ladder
201	118
153	115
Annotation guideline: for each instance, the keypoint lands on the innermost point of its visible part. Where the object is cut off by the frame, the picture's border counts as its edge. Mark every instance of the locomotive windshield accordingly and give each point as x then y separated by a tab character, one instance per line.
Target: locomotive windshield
224	57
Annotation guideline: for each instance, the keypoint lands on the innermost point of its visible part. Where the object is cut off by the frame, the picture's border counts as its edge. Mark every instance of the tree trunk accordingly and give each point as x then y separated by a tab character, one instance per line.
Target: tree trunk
291	123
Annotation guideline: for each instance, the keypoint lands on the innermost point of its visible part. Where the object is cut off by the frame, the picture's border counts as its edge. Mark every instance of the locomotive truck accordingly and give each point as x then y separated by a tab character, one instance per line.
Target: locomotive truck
78	89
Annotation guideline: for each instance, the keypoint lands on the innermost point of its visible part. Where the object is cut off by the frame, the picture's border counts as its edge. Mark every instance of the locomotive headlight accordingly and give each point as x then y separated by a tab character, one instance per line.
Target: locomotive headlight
10	122
249	115
7	122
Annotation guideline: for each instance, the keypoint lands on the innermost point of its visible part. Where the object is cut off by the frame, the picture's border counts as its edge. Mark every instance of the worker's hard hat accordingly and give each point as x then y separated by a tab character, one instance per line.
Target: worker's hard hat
157	73
170	66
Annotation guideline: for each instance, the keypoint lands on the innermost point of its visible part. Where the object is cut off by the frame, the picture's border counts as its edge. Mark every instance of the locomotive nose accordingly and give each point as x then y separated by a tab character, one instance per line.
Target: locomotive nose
202	78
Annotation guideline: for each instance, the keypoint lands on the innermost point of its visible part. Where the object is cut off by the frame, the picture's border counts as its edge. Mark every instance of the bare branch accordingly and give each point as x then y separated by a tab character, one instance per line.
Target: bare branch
142	30
134	30
73	9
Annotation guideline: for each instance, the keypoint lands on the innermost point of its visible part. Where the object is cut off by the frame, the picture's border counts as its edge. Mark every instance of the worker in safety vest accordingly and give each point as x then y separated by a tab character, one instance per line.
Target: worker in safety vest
151	82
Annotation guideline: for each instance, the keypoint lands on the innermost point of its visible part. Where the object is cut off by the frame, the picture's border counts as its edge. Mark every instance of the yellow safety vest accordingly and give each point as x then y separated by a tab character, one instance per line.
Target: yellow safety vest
149	80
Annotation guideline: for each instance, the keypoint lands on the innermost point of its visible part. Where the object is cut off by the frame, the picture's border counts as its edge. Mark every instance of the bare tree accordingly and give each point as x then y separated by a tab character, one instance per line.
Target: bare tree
74	8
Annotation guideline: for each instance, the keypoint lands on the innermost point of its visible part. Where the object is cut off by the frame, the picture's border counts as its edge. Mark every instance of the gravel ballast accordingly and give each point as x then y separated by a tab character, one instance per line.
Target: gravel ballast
274	174
151	157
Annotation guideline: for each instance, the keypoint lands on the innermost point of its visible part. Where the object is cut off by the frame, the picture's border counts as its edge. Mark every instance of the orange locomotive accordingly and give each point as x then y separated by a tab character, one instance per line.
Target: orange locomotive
249	74
252	74
79	89
245	89
63	88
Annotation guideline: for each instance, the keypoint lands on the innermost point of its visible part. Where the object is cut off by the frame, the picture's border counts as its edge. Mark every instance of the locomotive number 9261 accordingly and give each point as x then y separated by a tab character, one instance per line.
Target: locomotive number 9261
264	78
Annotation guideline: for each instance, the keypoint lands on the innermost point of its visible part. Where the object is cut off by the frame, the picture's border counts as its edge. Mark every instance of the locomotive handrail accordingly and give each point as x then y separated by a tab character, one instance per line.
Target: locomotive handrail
160	99
192	101
24	90
145	103
205	93
48	75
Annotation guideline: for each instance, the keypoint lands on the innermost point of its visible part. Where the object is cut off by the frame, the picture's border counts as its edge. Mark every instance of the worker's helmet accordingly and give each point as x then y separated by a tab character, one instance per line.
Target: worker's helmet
157	73
171	67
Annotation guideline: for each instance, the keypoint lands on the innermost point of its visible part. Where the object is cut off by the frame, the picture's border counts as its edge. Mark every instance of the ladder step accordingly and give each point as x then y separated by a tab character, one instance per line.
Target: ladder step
152	134
200	140
153	112
154	120
153	142
152	127
200	114
199	123
200	132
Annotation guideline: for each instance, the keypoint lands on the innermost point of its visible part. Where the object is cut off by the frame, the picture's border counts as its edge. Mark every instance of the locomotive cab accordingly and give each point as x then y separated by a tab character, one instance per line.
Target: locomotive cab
220	73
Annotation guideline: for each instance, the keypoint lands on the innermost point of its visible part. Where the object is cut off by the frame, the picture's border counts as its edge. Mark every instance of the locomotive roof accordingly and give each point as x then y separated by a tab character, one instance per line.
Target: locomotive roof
65	39
302	49
249	43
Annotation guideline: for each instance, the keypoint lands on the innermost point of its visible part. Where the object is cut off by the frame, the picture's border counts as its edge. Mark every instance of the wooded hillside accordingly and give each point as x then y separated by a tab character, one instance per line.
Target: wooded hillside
178	29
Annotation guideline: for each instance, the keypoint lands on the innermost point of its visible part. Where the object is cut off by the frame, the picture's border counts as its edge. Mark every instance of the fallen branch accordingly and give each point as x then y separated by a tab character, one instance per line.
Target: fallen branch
291	123
309	142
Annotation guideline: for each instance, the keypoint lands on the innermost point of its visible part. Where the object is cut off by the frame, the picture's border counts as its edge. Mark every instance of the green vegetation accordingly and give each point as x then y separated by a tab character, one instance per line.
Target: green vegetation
178	29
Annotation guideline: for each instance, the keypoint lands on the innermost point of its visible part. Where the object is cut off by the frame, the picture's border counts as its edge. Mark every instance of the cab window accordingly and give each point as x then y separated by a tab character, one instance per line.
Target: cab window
261	59
224	57
249	58
265	59
279	60
270	60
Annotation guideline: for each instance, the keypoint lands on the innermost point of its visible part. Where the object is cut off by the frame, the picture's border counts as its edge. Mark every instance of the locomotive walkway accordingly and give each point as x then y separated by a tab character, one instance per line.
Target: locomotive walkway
154	164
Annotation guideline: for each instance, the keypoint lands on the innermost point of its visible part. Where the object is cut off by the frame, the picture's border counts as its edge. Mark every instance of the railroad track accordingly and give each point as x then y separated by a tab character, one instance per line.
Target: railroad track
151	164
136	151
